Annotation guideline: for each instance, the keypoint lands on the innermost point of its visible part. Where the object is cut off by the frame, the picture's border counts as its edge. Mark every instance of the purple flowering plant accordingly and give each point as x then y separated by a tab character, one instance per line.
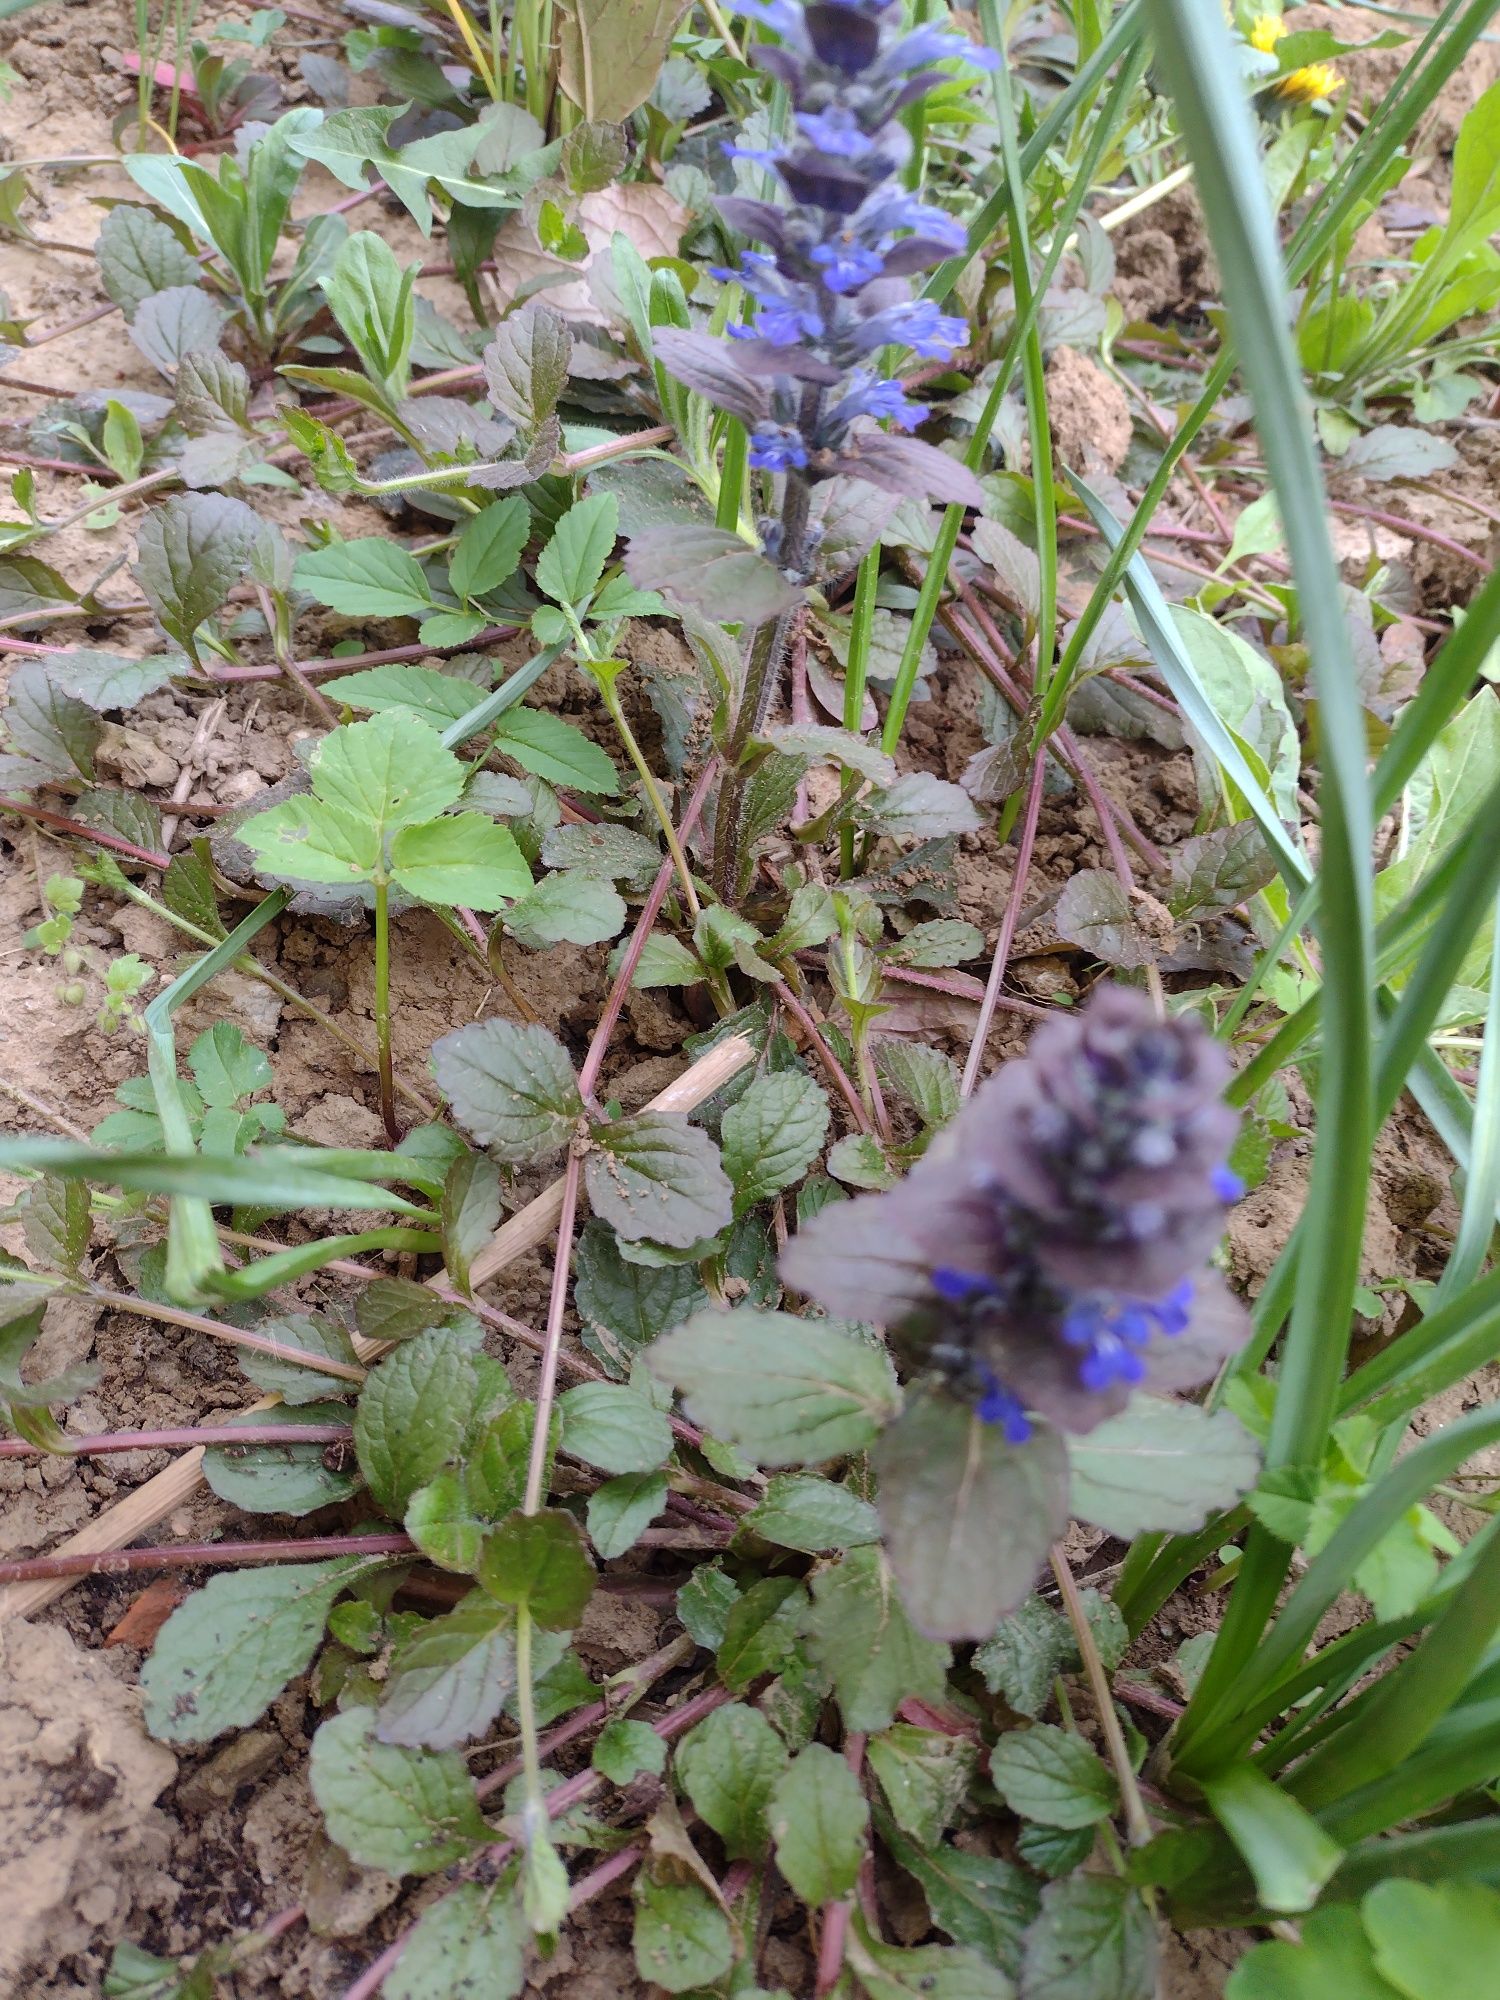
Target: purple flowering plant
831	290
1045	1259
827	297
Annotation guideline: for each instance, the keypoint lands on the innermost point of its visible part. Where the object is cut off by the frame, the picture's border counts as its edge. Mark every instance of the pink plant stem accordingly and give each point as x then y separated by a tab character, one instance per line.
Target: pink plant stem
60	821
833	1930
837	1074
651	910
961	987
1008	923
474	927
67	465
57	333
186	1436
1147	1699
1143	689
1113	818
491	636
599	1879
1105	809
211	1555
601	454
1110	815
353	200
1414	530
557	1301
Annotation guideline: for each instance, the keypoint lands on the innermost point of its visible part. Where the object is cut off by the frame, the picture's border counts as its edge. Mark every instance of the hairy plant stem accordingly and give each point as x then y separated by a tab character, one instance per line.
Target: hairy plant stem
237	1336
213	1555
383	1007
605	682
1136	1820
251	966
235	1436
1008	925
762	679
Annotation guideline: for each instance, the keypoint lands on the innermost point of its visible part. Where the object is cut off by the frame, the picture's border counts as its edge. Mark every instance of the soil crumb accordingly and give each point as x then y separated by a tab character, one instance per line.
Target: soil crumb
1089	412
83	1848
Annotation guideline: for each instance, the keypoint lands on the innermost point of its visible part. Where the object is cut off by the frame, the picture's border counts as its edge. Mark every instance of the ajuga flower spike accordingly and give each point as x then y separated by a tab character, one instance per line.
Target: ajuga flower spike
831	288
1044	1261
830	292
1050	1254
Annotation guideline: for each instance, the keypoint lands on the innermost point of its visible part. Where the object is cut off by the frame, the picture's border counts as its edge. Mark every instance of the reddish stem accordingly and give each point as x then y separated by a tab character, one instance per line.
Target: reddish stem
961	987
186	1435
69	465
838	1075
833	1931
594	1061
213	1555
559	1799
1008	923
97	835
599	1879
1415	530
491	636
57	333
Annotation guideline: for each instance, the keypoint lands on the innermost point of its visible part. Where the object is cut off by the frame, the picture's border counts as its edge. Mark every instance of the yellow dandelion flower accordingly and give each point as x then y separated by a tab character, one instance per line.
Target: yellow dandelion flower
1266	30
1309	84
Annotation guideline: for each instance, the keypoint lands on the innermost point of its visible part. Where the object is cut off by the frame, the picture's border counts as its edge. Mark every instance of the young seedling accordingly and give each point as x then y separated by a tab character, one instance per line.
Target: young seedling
377	815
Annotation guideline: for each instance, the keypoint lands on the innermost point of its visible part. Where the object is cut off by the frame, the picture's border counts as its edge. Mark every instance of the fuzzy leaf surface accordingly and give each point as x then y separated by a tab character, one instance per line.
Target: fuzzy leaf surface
772	1135
225	1653
1160	1466
820	1822
452	1677
945	1479
614	1428
865	1642
787	1391
511	1086
408	1812
190	553
412	1415
730	1766
1094	1940
470	1946
655	1176
539	1560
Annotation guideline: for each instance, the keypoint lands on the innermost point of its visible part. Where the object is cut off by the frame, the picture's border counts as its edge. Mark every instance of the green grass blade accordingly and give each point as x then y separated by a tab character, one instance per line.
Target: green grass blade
1288	1854
1408	1482
1033	365
509	692
1466	1852
1176	668
1477	1223
1125	32
1407	1705
256	1180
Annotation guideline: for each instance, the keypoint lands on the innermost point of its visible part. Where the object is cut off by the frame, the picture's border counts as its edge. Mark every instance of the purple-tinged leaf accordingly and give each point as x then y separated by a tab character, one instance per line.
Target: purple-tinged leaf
710	570
906	466
711	367
968	1516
